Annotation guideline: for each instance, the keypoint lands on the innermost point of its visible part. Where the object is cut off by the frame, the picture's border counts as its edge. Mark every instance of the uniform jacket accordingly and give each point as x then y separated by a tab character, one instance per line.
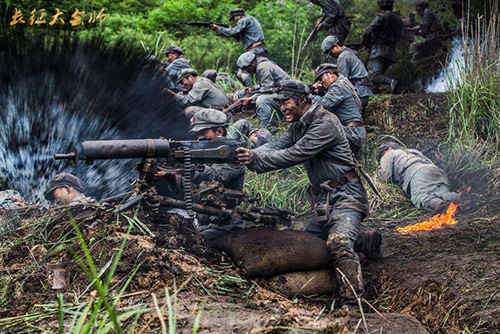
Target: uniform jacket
314	139
247	30
351	66
204	93
268	73
340	99
399	167
385	30
332	12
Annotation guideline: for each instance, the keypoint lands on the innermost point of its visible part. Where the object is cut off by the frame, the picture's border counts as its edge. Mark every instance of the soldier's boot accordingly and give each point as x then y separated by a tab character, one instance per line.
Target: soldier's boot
350	279
369	243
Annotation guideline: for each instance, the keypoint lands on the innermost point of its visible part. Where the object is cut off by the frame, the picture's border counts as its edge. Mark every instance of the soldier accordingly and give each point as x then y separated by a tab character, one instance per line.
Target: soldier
341	99
349	65
316	139
244	131
248	31
426	184
381	36
202	93
269	75
221	79
333	18
175	63
429	29
67	189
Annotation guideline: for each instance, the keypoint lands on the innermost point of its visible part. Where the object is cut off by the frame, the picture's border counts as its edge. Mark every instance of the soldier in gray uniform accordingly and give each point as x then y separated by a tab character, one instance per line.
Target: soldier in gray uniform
316	139
221	79
67	189
426	184
202	93
175	63
248	31
429	29
342	100
349	65
269	75
382	36
244	132
333	18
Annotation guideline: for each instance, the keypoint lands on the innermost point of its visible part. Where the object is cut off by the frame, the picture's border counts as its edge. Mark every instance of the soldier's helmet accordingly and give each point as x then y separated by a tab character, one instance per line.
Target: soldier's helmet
245	59
236	12
325	68
173	49
184	73
328	43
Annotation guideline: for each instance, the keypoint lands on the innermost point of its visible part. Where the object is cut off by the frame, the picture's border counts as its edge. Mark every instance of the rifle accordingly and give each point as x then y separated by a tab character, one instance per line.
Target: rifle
238	103
205	24
211	199
312	35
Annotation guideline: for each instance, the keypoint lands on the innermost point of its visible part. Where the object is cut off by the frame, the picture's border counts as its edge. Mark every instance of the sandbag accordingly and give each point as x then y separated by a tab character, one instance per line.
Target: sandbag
266	252
304	283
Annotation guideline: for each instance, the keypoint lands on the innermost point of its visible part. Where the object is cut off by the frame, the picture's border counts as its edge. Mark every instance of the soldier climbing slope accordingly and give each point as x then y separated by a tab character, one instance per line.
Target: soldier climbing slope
382	36
316	139
429	29
333	18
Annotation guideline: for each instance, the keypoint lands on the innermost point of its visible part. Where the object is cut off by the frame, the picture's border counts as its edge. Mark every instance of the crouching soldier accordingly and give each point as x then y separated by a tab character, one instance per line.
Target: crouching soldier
175	63
426	184
342	100
67	189
316	139
202	93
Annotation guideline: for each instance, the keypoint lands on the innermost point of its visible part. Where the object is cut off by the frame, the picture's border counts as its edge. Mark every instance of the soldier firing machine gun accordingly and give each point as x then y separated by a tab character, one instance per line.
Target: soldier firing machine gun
211	198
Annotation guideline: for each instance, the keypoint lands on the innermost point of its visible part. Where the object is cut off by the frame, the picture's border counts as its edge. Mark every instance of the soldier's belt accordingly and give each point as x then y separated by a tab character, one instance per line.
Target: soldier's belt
328	186
256	45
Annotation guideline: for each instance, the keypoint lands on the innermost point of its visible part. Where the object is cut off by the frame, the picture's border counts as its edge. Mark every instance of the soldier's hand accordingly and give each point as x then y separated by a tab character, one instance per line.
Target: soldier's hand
166	90
245	156
213	26
245	100
248	90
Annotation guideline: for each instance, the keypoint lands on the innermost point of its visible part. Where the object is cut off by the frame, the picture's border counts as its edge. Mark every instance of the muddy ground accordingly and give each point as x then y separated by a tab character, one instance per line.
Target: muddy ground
442	281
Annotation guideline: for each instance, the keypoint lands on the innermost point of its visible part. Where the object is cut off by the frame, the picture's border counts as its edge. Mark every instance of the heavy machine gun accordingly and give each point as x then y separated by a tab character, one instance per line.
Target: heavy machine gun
211	198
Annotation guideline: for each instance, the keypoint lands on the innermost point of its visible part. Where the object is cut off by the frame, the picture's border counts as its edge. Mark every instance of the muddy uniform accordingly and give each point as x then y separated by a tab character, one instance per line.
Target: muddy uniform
171	72
431	33
341	99
382	36
350	65
334	18
203	94
251	36
318	141
269	75
426	184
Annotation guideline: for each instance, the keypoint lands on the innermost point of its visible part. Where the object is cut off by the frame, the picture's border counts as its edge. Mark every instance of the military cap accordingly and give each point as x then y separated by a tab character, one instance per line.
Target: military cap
328	43
206	119
289	88
385	146
173	49
236	12
210	74
63	180
184	73
245	59
325	68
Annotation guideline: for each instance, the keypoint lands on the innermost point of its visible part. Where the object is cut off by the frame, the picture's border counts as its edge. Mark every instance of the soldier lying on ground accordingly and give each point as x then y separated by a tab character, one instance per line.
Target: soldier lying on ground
316	139
382	36
269	75
248	31
349	65
422	181
202	93
67	189
342	100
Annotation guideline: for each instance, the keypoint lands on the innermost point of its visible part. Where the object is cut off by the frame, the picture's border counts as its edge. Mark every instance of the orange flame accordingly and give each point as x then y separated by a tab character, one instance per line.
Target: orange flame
434	222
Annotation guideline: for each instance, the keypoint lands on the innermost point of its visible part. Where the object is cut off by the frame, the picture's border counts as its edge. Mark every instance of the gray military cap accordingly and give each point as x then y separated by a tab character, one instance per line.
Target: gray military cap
325	68
289	88
385	146
207	119
63	180
236	12
184	73
328	43
245	59
173	49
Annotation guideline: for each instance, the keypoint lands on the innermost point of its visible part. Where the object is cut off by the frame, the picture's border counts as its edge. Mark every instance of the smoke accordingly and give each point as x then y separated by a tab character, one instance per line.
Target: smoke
449	76
57	92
